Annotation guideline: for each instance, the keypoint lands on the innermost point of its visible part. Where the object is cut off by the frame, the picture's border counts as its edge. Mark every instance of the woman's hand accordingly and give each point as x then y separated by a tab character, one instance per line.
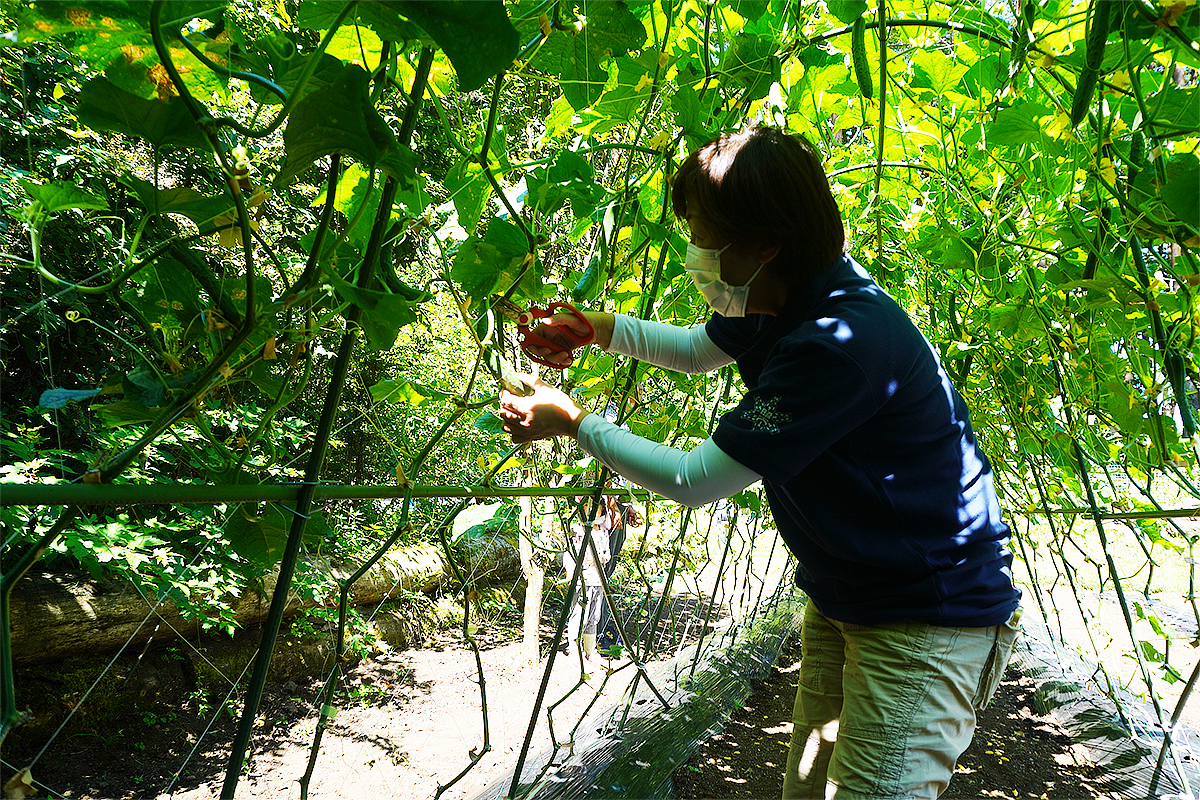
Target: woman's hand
551	329
544	414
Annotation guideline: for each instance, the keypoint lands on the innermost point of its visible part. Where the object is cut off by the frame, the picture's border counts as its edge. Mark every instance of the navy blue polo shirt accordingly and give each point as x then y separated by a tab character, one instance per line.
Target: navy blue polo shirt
868	458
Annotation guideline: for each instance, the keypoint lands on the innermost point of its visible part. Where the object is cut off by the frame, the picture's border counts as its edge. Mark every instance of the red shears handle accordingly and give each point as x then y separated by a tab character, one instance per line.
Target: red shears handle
531	339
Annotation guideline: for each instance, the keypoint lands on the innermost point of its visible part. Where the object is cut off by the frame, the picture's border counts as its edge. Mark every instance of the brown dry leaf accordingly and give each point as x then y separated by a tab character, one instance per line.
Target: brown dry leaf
19	786
269	349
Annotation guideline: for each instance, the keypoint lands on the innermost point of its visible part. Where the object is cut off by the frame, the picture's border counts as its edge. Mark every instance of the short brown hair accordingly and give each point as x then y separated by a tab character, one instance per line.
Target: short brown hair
765	187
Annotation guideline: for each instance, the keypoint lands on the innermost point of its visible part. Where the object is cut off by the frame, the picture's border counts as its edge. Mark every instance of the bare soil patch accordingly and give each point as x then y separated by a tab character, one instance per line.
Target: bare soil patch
411	721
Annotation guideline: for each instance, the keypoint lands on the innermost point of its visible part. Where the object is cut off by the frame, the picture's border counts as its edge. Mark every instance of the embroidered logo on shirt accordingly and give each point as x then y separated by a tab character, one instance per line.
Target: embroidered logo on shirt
764	414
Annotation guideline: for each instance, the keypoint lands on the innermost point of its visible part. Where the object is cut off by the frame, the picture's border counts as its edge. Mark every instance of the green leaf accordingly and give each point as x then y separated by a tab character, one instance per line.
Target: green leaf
340	118
749	9
61	195
469	189
937	71
476	267
145	386
489	423
579	59
847	10
383	314
481	264
58	398
234	287
124	412
477	37
259	539
982	76
199	208
169	292
105	107
571	177
475	516
753	63
261	377
1179	192
401	390
1017	125
278	58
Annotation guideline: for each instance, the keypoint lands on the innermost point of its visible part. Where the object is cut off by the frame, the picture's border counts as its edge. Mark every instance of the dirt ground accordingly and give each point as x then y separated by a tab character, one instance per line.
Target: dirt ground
413	722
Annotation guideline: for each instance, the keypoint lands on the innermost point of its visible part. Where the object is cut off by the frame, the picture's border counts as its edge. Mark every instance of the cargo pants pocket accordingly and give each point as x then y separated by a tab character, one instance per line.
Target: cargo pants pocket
997	660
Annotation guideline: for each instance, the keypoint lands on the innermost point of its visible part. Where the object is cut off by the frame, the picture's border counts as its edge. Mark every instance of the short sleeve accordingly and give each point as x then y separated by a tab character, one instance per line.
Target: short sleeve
809	396
734	335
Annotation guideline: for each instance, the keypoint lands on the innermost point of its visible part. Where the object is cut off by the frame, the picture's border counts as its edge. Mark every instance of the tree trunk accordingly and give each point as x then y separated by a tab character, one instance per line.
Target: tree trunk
534	574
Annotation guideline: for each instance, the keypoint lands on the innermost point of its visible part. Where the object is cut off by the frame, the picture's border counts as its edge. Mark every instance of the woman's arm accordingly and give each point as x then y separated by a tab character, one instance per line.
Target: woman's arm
693	478
681	349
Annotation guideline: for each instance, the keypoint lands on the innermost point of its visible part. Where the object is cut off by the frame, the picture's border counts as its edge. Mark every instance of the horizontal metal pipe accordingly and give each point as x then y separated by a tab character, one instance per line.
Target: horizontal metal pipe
1167	513
73	494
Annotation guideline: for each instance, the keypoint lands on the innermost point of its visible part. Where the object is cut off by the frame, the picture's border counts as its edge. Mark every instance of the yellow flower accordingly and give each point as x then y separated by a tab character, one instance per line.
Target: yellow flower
1107	171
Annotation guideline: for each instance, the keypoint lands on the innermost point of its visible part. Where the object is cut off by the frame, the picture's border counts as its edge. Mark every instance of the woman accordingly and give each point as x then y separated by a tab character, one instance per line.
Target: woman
867	456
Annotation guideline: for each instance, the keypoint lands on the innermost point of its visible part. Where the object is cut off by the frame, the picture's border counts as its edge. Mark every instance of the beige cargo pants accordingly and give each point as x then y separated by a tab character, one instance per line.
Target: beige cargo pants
884	711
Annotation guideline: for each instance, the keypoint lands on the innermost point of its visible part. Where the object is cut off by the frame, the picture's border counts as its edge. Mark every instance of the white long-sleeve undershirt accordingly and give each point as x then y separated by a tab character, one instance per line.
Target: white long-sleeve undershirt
681	349
693	478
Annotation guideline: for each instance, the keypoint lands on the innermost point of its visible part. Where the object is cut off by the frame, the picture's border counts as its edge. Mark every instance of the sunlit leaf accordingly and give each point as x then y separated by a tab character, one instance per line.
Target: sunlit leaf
474	516
402	390
578	59
937	71
752	62
1017	125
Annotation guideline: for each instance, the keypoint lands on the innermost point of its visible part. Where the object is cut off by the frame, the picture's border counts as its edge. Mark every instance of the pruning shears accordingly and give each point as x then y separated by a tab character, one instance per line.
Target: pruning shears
530	339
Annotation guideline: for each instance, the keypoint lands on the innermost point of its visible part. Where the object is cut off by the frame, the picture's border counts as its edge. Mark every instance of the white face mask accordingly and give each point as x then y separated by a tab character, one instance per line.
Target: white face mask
704	267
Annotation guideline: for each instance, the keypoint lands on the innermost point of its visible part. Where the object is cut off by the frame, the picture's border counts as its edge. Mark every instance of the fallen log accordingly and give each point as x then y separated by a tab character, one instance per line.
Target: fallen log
55	616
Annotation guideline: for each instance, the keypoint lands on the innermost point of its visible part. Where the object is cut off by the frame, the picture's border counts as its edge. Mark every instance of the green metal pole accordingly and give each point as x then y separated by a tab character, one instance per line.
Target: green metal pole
86	494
